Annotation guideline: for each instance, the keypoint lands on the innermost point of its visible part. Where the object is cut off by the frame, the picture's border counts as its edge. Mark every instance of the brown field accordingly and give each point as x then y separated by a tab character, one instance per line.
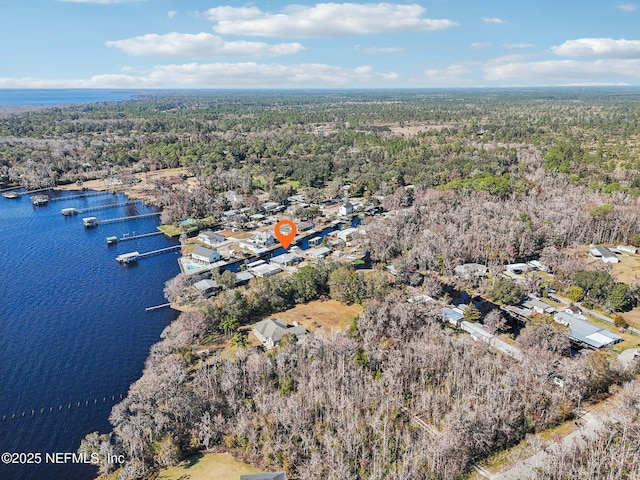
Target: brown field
318	315
328	315
211	466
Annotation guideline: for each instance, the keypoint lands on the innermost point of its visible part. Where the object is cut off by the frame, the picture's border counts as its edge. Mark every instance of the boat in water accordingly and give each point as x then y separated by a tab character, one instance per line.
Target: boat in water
38	200
11	195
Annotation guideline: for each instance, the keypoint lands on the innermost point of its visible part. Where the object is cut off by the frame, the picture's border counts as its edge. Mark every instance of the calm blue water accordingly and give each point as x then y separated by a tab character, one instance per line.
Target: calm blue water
72	325
24	97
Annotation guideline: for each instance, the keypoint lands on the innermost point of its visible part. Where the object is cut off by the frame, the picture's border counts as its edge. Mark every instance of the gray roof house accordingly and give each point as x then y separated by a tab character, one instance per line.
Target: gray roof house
604	254
271	331
264	476
206	286
205	255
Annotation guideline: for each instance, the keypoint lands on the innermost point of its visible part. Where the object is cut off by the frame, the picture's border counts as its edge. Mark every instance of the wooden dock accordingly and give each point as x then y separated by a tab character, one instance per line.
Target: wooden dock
160	251
164	305
133	257
124	219
105	207
80	195
126	238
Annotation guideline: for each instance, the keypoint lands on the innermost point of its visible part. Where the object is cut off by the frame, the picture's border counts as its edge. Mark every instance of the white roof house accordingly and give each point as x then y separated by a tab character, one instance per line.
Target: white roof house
345	209
266	270
210	238
206	255
585	332
259	241
271	331
347	234
471	270
286	259
318	253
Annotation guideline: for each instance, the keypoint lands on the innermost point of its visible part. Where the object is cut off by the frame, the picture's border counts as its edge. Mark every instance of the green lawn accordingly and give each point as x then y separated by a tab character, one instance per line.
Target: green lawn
212	466
170	230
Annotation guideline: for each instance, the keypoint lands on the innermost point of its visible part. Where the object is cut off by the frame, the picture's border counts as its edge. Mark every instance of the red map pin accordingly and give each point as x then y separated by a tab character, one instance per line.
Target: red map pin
285	238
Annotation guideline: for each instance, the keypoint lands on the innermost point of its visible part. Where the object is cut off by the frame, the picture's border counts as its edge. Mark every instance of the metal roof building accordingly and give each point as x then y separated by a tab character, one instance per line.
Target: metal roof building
585	332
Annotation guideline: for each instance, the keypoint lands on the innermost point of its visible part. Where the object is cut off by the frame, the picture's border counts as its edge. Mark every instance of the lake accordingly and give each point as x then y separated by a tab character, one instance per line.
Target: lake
74	333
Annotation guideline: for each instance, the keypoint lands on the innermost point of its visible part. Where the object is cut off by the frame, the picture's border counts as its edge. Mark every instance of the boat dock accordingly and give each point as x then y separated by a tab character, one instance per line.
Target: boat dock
133	257
80	195
124	219
127	237
76	211
156	307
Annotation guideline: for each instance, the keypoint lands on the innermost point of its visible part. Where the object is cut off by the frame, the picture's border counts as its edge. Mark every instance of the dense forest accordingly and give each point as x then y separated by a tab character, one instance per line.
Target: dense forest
487	176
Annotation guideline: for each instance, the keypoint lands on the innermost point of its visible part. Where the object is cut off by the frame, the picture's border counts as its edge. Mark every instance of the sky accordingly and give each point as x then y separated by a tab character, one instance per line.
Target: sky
167	44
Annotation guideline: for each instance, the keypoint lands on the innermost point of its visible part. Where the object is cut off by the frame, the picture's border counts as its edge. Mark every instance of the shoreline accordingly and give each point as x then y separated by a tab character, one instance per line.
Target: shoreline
138	191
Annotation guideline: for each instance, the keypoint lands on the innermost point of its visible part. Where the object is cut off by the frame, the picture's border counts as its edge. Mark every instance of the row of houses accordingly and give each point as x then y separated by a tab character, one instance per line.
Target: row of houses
582	332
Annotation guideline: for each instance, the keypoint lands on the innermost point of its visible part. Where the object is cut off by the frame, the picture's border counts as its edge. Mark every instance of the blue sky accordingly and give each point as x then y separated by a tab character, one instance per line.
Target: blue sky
268	44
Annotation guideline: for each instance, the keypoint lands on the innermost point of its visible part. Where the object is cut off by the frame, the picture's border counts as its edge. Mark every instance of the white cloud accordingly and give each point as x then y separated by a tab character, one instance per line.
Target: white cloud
324	20
102	2
374	50
494	20
221	75
172	14
518	45
452	75
481	44
201	45
627	7
557	72
599	47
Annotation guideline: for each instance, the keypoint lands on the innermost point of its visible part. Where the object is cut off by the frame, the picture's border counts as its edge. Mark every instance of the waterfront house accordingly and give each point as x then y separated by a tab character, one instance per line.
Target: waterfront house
211	238
286	259
271	331
258	242
266	270
206	286
205	255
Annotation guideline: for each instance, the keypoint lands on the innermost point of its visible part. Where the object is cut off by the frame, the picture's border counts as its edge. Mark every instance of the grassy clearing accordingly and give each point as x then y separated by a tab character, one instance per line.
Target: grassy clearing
207	467
170	230
328	315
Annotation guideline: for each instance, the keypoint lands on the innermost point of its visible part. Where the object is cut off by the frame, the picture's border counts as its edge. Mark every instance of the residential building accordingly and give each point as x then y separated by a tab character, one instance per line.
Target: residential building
286	259
470	270
205	255
537	306
603	253
271	331
266	270
206	286
211	238
585	333
318	253
345	209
